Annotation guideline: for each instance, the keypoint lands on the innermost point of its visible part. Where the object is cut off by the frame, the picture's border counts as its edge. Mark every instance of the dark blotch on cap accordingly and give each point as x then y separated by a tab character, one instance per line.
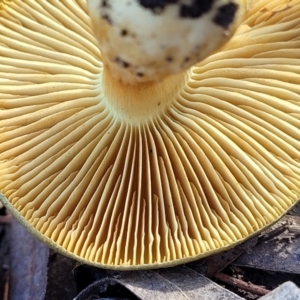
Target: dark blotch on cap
196	9
225	15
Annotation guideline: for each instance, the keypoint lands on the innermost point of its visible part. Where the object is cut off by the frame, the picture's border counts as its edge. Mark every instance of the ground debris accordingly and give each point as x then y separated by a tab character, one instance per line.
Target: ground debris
279	243
287	291
240	284
180	283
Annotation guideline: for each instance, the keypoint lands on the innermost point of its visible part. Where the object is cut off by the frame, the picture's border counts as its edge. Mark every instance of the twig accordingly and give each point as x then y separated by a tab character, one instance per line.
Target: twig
247	286
6	286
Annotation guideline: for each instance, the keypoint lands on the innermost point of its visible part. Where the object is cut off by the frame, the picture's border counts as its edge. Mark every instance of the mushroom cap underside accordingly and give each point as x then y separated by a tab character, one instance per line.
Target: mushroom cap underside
216	164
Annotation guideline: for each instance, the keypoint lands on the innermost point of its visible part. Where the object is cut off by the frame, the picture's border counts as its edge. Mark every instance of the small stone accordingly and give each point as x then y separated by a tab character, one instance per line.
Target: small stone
286	291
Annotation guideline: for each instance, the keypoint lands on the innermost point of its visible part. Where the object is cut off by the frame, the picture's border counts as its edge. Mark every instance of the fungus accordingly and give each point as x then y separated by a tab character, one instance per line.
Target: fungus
121	164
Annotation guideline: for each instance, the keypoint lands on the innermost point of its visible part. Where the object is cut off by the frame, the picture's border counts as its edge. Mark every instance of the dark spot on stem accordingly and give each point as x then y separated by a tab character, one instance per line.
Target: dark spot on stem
156	4
121	62
107	19
105	3
196	9
124	32
225	15
190	9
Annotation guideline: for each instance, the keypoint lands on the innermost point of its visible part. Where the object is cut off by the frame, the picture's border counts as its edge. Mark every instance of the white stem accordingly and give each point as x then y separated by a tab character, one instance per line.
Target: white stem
144	41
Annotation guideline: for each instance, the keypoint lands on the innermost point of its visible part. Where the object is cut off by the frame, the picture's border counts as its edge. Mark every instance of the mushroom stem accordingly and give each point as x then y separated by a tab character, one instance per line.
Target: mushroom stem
140	103
144	41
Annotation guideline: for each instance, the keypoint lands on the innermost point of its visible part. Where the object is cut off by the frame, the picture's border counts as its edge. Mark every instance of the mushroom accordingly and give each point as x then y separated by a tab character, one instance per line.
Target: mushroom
137	156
